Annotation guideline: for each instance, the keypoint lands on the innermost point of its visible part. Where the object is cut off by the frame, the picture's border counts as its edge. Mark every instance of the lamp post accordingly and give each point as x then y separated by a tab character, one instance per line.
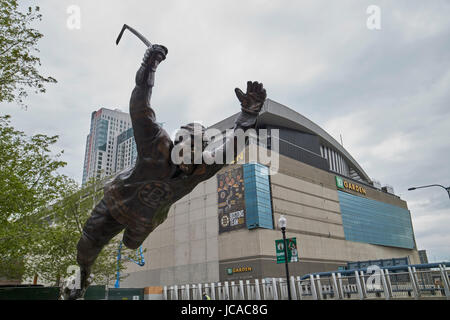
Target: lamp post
432	185
282	224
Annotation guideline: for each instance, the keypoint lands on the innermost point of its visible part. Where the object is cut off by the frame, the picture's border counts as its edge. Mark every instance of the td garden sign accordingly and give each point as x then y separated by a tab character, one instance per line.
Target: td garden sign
344	184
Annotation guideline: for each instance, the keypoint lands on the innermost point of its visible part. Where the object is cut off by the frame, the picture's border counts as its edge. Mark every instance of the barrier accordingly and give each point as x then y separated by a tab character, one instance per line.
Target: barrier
430	281
397	282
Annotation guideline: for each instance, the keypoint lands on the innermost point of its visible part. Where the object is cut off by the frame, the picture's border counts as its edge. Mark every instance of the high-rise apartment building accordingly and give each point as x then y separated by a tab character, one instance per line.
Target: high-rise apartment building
110	145
126	150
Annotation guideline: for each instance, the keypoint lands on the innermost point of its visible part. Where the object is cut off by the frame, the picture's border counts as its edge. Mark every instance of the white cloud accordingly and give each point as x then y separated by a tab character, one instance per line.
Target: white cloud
396	147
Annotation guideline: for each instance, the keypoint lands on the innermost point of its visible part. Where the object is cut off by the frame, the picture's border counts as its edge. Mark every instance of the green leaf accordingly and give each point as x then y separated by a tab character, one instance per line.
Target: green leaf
18	66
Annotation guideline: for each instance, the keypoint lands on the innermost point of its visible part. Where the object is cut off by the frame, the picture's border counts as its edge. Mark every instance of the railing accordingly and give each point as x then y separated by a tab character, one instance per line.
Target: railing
373	283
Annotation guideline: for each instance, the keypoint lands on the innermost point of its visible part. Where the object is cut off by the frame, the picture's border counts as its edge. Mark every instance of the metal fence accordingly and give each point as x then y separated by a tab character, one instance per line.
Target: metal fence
406	283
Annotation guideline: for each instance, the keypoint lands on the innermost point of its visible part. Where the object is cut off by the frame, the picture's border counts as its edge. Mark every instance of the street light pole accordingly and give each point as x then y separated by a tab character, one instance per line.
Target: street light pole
432	185
282	224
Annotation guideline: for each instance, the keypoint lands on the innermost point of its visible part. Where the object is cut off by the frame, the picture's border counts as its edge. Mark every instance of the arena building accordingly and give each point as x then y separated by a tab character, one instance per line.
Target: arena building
227	227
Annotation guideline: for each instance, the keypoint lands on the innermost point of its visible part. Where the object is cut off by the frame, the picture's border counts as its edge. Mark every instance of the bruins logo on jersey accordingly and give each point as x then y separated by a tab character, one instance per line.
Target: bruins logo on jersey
153	193
225	221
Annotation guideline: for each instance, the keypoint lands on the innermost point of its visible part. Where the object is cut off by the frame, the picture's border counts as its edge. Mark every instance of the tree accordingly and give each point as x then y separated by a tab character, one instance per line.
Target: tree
18	44
29	181
56	250
42	212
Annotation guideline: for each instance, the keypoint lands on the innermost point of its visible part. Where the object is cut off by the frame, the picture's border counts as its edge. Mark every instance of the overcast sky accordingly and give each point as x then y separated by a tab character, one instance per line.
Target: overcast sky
385	91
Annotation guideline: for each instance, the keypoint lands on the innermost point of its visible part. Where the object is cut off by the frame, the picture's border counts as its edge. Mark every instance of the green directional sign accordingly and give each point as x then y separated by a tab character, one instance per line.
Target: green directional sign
291	250
339	182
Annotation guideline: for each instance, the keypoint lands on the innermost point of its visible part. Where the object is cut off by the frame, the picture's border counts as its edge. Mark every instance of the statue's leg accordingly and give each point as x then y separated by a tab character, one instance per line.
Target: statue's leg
99	229
132	238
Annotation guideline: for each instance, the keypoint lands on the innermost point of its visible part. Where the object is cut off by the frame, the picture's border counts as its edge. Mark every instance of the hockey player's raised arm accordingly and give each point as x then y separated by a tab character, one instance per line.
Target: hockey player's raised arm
251	104
142	115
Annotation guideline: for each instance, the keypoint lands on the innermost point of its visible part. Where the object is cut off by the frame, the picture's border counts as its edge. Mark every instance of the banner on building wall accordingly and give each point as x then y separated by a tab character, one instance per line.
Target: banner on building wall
231	200
292	250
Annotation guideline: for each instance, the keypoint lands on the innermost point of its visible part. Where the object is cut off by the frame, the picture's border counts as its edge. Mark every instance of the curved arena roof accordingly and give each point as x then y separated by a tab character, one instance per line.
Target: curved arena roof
276	114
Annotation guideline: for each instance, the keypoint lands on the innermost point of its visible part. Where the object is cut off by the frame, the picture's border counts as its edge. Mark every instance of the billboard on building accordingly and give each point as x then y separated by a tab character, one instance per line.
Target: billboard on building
231	200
